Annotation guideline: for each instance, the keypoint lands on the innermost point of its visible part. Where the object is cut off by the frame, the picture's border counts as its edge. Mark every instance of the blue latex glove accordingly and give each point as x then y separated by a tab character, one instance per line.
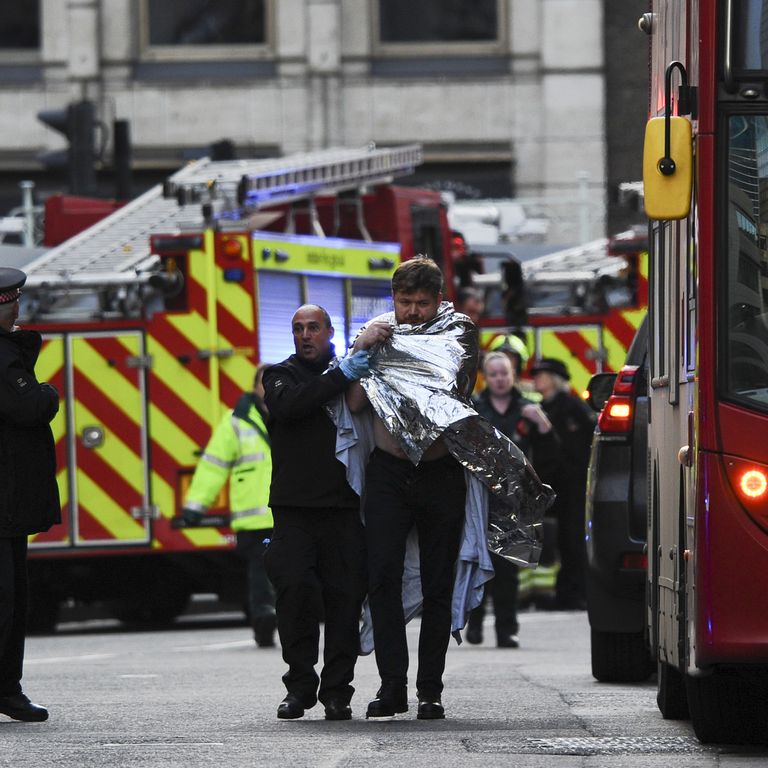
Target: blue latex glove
356	365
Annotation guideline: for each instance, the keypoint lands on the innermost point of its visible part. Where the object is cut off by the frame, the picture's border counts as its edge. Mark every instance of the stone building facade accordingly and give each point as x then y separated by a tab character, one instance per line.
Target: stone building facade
507	96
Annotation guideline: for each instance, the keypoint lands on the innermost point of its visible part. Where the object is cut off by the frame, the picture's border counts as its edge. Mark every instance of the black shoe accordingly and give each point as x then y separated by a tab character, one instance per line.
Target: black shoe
430	708
290	708
19	707
474	635
264	631
337	710
390	700
507	641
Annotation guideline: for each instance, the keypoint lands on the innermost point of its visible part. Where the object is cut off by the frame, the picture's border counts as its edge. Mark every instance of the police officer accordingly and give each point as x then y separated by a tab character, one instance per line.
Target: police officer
239	449
574	423
29	502
318	536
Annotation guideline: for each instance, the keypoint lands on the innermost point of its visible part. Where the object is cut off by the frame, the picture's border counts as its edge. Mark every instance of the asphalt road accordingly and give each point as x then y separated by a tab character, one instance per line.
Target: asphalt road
202	694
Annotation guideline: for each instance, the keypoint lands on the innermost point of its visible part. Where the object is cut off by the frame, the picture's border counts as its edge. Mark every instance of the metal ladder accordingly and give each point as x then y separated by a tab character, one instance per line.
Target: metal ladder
114	248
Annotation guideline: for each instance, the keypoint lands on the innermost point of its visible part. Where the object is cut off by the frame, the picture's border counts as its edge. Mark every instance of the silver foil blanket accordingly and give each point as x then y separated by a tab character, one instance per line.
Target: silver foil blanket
415	387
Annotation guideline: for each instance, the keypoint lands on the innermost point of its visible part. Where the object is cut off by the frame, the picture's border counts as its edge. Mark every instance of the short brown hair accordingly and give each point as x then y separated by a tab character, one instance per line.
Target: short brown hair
418	274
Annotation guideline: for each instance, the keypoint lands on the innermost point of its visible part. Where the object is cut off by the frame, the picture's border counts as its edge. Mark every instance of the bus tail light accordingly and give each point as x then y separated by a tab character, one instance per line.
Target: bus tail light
616	417
749	482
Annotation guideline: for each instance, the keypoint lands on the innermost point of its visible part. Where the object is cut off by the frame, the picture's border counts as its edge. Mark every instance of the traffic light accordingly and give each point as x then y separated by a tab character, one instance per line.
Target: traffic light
78	124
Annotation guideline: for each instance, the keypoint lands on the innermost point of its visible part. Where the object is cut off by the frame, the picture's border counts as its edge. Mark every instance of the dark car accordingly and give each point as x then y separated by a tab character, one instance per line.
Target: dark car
617	490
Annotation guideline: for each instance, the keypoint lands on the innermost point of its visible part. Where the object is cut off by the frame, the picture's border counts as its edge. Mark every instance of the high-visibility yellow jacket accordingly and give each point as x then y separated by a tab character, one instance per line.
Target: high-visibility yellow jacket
239	450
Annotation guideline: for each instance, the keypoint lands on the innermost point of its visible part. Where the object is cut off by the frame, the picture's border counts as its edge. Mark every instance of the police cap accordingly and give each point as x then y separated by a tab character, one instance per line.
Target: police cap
550	365
11	281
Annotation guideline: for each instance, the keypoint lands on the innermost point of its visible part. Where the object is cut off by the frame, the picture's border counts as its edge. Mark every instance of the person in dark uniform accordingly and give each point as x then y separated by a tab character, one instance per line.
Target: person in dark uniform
574	423
29	502
318	533
525	423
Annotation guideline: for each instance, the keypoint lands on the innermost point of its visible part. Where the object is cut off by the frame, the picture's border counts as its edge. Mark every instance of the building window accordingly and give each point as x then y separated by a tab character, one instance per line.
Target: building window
205	28
20	25
428	26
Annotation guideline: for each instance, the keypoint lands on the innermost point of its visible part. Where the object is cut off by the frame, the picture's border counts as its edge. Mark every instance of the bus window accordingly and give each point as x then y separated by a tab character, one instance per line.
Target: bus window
659	255
750	46
745	347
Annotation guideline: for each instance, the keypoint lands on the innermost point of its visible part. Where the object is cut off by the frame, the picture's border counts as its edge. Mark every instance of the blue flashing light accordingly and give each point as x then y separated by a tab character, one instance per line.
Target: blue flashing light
234	275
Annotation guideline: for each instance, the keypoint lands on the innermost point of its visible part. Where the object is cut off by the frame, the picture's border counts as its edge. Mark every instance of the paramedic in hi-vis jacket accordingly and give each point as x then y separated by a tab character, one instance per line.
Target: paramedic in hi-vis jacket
239	449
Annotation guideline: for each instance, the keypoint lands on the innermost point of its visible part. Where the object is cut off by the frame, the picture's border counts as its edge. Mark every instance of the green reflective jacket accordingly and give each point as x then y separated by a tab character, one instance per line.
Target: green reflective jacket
238	450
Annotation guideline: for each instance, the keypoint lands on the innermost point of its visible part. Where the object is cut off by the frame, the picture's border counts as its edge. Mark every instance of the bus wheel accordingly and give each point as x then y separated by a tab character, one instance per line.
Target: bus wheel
670	692
620	657
728	708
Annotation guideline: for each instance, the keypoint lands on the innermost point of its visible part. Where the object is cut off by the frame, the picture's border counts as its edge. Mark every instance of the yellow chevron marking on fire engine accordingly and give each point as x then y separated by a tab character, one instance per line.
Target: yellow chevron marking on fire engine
121	393
162	495
195	329
178	378
236	299
197	267
642	262
124	459
616	352
49	364
51	359
103	508
634	316
171	437
204	537
240	370
551	346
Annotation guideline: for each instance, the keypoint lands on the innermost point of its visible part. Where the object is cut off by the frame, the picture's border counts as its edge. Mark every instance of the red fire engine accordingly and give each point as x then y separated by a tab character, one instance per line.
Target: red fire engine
154	319
581	305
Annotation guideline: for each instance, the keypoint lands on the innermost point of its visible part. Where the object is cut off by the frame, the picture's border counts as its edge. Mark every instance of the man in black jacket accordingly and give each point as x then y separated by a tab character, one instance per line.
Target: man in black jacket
574	423
29	502
318	534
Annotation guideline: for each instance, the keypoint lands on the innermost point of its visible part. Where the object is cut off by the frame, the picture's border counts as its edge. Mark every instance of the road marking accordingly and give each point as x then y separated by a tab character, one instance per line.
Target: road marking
155	744
139	676
214	646
60	659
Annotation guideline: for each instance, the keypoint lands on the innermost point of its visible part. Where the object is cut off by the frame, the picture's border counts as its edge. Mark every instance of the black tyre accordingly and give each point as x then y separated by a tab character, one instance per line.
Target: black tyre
670	693
728	708
620	657
157	605
43	614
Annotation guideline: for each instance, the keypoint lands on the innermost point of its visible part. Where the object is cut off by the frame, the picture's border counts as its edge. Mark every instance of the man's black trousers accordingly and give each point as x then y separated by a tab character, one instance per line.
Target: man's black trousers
13	612
399	496
318	552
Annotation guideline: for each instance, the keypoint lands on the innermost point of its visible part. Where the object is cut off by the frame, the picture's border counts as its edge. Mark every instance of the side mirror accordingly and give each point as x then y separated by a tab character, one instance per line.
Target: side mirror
599	389
667	188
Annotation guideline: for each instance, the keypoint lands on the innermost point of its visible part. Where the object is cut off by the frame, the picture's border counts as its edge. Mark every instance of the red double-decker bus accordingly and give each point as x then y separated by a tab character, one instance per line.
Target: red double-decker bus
706	192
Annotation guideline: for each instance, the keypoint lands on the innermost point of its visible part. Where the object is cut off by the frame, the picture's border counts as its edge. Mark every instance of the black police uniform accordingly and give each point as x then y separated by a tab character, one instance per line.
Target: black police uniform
318	534
29	502
574	422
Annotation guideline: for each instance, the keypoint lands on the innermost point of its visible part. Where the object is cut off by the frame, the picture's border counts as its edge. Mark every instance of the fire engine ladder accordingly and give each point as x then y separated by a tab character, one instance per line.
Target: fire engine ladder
583	263
116	250
299	177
